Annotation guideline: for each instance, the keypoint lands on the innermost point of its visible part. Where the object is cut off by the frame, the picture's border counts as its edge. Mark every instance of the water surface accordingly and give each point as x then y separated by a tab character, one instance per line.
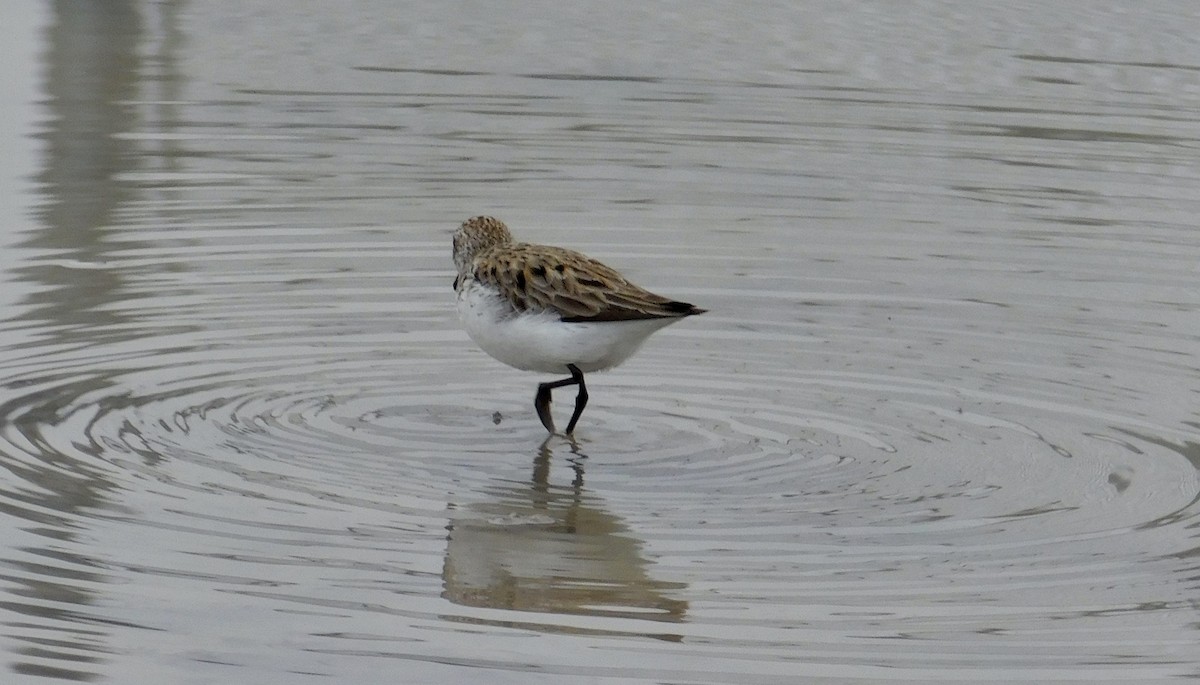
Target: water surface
939	424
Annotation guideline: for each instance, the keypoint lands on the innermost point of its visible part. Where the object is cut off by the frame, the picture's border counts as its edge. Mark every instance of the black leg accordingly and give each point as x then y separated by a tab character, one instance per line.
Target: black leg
580	399
541	402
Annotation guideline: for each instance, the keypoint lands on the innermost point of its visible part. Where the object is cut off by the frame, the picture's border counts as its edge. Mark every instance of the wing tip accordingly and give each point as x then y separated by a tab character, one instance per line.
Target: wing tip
683	308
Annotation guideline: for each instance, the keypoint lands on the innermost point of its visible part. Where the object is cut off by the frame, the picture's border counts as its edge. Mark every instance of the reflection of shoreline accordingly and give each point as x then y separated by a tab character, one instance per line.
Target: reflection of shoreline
548	548
92	70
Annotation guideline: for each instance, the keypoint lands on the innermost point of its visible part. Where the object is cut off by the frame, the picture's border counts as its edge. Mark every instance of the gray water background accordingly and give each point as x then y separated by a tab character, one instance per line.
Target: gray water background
939	425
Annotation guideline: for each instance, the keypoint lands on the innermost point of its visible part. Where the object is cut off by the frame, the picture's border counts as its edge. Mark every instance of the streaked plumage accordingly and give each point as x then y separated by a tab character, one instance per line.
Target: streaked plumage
549	309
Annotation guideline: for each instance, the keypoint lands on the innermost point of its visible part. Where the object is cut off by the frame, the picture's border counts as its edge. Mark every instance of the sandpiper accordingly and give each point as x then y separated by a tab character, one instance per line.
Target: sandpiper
549	309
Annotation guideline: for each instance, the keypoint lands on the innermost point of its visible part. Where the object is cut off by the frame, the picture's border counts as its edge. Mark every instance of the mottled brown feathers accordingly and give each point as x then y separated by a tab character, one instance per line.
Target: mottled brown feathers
545	278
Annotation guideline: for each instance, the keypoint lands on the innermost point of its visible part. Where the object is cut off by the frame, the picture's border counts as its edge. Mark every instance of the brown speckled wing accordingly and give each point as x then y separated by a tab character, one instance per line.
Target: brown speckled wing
579	288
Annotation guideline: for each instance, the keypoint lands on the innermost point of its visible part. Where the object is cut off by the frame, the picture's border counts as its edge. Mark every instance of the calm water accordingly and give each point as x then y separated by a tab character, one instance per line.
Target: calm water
939	426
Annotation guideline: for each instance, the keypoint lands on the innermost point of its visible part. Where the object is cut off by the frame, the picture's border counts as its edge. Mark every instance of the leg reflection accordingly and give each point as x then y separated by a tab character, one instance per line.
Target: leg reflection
544	458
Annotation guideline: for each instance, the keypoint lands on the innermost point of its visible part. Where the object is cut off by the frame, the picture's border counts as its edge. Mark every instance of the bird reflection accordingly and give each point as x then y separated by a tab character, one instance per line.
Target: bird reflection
550	548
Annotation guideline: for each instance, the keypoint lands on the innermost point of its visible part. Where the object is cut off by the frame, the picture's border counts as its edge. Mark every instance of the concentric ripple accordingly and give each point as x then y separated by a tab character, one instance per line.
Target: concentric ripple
841	491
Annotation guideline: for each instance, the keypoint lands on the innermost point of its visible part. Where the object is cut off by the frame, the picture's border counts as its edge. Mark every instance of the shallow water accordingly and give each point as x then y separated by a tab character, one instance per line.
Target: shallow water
939	424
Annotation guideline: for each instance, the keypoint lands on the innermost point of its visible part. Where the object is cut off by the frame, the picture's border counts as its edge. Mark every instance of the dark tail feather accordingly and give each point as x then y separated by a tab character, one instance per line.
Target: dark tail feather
683	308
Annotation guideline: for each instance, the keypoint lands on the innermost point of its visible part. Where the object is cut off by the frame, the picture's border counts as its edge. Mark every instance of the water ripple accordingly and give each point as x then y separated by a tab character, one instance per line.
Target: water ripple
916	502
938	424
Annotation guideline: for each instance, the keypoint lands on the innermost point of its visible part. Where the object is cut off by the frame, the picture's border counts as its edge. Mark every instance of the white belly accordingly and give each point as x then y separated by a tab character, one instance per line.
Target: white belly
543	341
